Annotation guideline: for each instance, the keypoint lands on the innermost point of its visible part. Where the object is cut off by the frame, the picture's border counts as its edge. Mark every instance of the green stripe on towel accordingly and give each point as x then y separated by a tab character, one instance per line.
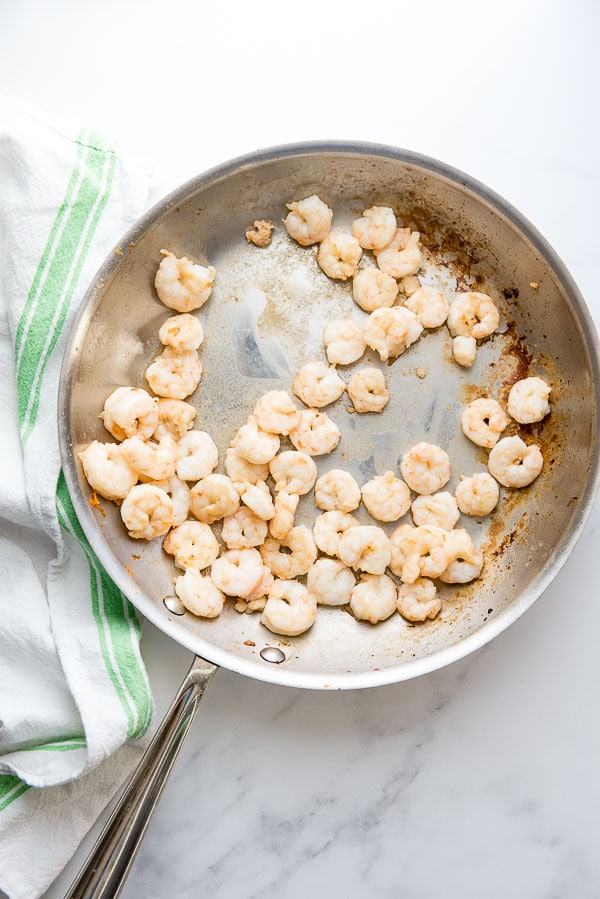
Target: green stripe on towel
11	788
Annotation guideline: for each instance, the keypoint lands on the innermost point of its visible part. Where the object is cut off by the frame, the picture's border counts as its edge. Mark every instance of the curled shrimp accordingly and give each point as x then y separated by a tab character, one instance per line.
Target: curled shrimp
192	544
402	256
308	221
439	509
175	417
300	556
254	444
243	472
473	314
152	461
419	600
198	594
429	305
464	350
344	341
418	551
477	495
257	600
290	609
130	412
258	498
374	598
391	331
175	374
328	529
181	284
285	505
237	572
243	530
365	547
465	561
373	289
318	384
515	464
367	390
409	285
316	433
213	497
338	255
106	469
276	413
375	228
425	468
337	490
528	400
147	512
179	492
181	332
197	456
330	582
293	471
483	421
386	497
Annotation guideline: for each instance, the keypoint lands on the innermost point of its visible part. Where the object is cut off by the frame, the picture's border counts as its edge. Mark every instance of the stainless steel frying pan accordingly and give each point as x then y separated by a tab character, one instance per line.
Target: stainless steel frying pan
265	318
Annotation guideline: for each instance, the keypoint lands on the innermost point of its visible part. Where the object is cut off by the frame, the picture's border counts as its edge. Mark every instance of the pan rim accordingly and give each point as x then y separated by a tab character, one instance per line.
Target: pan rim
274	673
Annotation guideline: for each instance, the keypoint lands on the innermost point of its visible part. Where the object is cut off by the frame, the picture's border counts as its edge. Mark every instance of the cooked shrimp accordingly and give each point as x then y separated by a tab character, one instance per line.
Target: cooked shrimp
198	594
316	433
328	529
175	417
293	471
106	469
464	350
290	609
366	388
318	384
181	284
258	498
181	332
197	456
419	600
214	497
473	314
374	598
338	255
254	444
439	509
260	234
175	374
391	331
409	285
418	551
429	305
337	490
483	421
243	472
147	512
386	497
179	492
465	561
375	228
425	468
260	591
243	529
515	464
344	342
237	572
402	256
308	221
477	495
373	289
152	461
276	413
331	582
285	509
528	400
301	554
365	547
193	545
130	412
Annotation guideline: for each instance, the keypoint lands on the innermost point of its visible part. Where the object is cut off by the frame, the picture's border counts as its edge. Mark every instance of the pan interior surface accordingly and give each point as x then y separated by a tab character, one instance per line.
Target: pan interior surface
265	318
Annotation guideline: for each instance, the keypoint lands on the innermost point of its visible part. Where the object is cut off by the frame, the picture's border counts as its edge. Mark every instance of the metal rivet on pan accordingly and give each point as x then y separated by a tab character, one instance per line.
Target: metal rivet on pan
174	605
272	654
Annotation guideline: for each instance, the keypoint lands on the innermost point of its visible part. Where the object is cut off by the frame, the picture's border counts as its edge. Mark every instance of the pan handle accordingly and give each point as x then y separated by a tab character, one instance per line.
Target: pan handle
105	870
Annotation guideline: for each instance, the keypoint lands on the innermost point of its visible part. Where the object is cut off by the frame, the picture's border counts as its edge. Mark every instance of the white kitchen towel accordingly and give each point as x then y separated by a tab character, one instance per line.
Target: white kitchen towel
73	688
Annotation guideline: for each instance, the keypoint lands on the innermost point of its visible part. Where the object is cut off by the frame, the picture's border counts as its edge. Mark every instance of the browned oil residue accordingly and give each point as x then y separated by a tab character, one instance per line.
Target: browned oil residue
95	504
249	643
129	570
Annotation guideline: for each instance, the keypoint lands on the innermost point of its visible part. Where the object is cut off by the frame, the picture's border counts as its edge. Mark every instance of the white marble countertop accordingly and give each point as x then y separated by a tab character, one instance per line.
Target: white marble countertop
479	780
